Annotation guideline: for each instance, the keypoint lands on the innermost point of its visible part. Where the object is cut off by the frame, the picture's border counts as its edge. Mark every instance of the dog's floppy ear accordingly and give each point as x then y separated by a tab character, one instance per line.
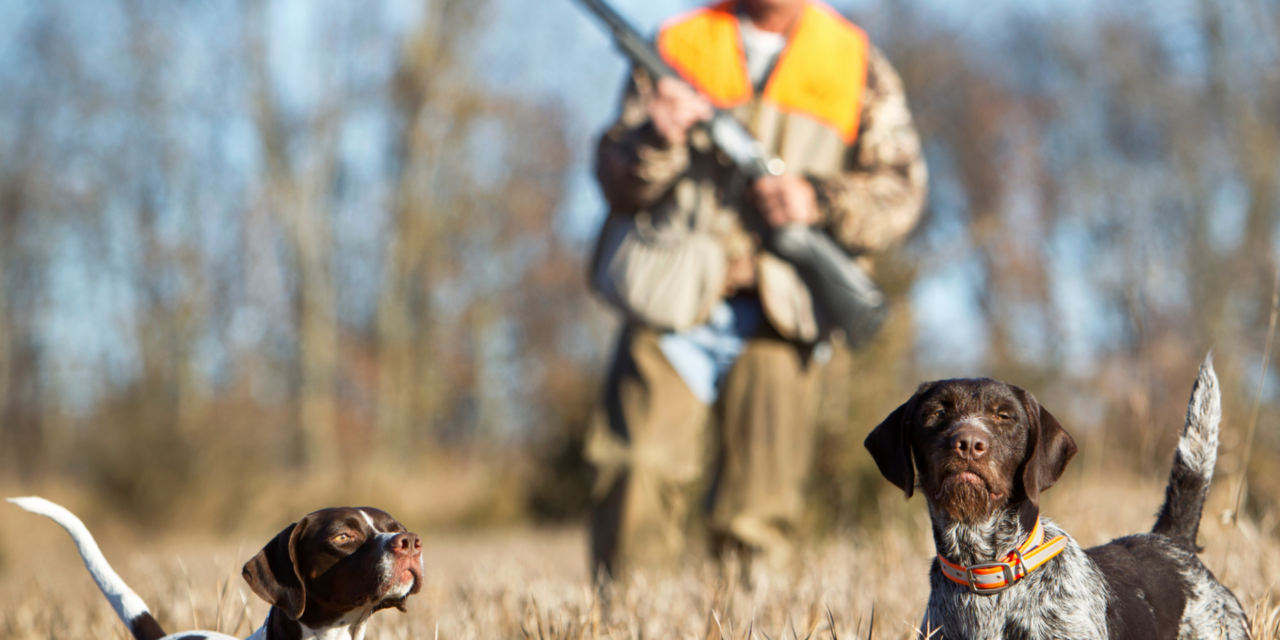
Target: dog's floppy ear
891	448
274	574
1049	448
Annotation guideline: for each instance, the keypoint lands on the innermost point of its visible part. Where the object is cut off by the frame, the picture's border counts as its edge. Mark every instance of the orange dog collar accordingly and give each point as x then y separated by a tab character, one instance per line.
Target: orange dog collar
993	577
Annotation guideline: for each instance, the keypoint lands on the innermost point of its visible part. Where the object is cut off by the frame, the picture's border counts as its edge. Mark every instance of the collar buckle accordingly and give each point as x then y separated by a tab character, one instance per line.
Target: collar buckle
1004	567
1018	563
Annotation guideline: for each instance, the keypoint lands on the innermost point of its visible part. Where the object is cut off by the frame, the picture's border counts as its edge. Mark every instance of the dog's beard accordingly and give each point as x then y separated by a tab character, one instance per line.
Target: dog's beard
964	500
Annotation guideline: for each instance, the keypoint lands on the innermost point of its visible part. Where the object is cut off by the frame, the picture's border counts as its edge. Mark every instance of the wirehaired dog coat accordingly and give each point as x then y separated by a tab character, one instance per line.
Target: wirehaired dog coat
984	451
323	575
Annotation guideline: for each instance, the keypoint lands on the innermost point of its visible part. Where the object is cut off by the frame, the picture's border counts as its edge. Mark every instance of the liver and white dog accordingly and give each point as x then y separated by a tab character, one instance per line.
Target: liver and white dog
324	575
985	450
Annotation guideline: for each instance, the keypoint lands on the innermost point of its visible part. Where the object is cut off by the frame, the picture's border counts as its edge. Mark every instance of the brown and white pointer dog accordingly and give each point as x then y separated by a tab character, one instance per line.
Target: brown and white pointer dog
324	575
985	451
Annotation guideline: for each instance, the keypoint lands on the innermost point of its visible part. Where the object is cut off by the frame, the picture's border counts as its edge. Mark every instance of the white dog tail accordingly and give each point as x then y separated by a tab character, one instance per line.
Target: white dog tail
1193	461
131	609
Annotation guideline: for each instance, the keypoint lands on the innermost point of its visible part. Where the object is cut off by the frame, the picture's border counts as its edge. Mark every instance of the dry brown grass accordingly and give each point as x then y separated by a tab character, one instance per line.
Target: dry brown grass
532	583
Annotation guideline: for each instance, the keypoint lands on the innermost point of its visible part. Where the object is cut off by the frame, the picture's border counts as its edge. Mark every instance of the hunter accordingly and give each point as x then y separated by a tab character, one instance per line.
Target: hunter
733	340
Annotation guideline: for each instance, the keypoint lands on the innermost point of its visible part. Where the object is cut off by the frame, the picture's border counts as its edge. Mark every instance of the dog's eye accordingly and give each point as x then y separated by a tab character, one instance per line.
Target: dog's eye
1004	415
938	413
341	537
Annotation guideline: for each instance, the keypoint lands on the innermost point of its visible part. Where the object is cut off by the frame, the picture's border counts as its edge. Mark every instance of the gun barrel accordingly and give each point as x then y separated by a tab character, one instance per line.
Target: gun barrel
629	40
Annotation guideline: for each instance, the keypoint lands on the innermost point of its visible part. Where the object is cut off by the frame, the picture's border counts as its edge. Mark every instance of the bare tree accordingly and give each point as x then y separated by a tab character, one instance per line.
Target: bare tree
301	162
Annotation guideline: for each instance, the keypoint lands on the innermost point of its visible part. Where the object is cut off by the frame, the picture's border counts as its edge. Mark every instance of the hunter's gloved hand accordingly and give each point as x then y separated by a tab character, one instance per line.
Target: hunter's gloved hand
784	200
674	108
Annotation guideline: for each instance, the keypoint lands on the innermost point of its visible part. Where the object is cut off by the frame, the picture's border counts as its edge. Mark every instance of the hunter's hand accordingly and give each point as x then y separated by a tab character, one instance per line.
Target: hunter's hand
785	200
675	108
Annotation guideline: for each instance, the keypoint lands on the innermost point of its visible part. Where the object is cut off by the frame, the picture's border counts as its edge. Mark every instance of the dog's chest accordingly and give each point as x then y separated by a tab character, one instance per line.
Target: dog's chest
1065	599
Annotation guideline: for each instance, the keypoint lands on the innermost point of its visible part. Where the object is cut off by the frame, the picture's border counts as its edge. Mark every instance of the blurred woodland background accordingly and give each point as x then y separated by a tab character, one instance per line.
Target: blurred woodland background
252	253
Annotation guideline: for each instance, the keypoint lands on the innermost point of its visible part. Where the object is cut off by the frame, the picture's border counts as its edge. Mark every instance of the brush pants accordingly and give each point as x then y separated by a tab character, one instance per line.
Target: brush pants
648	442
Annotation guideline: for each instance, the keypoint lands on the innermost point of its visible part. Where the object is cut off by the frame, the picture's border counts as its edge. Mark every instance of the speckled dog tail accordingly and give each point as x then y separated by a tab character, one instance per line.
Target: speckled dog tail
1193	461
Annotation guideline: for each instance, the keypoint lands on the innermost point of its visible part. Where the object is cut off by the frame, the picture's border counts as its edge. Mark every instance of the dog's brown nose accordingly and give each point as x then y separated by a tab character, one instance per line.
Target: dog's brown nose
970	443
406	544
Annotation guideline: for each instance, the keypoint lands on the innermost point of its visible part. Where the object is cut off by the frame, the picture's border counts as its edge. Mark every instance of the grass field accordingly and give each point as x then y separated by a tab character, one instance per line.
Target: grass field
531	583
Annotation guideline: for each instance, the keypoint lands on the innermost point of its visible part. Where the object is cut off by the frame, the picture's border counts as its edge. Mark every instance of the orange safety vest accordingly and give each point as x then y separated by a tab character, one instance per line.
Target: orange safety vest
822	72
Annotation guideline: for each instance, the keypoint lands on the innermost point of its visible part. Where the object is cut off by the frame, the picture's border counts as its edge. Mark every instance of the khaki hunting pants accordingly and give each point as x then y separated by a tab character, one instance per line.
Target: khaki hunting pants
647	442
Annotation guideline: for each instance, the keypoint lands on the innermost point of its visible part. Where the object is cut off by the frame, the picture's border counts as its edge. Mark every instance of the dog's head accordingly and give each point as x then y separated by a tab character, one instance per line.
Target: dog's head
979	445
335	561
